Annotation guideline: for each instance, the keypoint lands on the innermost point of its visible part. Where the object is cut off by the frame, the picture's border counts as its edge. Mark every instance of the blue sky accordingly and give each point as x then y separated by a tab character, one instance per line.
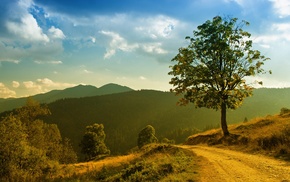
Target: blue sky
55	44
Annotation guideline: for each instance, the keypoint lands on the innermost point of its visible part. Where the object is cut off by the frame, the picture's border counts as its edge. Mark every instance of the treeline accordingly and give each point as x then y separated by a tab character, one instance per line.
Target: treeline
31	150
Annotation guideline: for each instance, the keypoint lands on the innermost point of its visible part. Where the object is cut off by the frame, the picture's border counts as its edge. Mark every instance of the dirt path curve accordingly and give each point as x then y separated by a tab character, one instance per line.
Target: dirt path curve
227	165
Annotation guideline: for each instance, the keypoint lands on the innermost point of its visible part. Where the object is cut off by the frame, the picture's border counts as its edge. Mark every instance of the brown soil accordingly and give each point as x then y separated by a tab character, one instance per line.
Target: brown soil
227	165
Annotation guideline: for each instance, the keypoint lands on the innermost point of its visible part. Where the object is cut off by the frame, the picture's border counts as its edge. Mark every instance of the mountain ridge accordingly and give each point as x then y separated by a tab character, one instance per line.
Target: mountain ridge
78	91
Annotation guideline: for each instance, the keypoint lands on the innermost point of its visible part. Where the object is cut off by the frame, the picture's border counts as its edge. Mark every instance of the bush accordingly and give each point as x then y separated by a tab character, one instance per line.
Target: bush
93	142
284	110
146	136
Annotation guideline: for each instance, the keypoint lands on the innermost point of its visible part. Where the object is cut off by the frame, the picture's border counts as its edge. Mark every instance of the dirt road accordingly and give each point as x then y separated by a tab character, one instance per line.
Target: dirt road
227	165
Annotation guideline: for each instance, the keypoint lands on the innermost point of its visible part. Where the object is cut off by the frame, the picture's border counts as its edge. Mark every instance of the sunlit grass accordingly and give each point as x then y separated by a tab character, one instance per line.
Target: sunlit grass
157	162
268	135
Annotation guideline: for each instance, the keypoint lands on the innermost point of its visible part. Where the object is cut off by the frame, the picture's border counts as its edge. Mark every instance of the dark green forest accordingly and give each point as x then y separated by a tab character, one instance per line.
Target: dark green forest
125	114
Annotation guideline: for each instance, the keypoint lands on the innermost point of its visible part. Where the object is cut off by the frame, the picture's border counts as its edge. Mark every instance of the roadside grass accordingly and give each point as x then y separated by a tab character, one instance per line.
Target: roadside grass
155	162
268	135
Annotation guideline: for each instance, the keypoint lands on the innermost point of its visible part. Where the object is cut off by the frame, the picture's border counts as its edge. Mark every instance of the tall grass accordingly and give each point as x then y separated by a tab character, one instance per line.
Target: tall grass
268	135
158	162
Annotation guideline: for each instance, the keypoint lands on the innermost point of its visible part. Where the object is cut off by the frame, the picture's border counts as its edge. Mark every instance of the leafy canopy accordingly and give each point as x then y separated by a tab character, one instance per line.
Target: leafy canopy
213	68
93	142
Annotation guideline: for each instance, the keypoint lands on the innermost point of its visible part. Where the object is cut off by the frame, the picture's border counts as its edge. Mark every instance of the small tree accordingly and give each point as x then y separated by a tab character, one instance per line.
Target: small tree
93	142
146	136
211	71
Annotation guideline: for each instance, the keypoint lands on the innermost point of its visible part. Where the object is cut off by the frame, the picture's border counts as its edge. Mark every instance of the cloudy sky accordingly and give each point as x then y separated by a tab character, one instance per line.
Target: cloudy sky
55	44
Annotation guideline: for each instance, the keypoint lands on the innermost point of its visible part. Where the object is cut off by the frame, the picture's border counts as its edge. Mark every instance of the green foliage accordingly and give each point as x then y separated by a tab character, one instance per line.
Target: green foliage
19	160
69	155
31	111
146	136
167	141
284	110
30	149
93	142
211	71
181	134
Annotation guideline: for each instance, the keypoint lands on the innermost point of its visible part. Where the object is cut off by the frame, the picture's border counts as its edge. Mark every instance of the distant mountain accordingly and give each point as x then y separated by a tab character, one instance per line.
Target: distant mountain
73	92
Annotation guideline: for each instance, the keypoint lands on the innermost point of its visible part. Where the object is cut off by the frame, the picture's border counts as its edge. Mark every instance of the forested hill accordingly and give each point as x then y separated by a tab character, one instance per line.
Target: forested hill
125	114
73	92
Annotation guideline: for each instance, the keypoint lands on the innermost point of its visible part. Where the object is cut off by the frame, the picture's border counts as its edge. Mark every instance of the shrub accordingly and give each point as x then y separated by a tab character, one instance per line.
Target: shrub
93	142
284	110
146	136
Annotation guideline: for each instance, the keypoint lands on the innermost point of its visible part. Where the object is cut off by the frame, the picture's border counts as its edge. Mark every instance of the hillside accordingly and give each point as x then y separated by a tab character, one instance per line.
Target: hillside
125	114
268	135
155	162
73	92
248	154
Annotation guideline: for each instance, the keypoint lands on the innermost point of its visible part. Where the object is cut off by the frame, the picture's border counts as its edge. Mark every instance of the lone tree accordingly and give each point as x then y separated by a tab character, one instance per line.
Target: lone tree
93	142
211	71
146	136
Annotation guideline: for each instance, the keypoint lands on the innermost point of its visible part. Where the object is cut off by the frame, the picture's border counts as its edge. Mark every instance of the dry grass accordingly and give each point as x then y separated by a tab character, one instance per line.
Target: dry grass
269	135
157	162
86	167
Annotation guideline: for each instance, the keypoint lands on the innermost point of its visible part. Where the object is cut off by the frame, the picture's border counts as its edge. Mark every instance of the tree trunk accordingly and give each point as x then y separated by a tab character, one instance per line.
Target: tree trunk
224	119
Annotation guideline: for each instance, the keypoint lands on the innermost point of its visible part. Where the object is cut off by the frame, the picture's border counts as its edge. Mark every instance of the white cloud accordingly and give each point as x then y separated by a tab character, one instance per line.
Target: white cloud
15	84
9	60
6	92
142	78
266	46
109	53
87	71
46	82
26	39
117	43
44	85
27	28
239	2
283	27
154	48
22	24
278	32
56	33
48	62
93	39
30	85
282	7
154	27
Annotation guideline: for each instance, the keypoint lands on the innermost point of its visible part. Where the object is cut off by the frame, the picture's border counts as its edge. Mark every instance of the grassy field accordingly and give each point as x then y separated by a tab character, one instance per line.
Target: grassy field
156	162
